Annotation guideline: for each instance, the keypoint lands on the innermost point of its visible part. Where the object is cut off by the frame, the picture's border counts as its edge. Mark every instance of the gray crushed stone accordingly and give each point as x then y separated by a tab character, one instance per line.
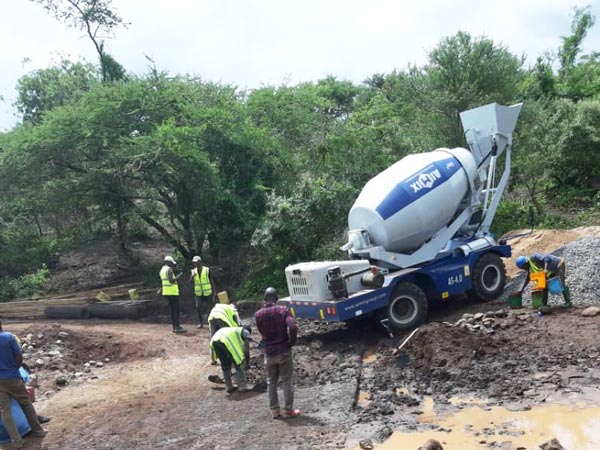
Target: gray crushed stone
582	259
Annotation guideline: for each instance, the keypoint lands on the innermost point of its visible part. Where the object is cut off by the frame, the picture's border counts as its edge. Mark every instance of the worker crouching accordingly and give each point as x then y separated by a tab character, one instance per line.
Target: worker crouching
231	345
552	266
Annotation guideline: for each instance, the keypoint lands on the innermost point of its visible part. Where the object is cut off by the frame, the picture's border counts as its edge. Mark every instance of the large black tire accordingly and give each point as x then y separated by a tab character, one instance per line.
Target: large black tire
408	307
489	278
67	312
125	309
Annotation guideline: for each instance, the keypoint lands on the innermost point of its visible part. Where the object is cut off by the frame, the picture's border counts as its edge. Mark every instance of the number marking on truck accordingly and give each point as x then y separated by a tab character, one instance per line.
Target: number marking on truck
455	279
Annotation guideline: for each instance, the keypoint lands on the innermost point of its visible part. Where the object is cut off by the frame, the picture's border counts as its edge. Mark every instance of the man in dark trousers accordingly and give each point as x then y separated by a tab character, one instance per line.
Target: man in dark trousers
170	291
279	331
12	386
549	264
205	291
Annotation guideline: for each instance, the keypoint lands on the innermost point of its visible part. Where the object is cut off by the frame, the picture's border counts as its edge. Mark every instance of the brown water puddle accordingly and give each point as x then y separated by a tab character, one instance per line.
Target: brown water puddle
575	426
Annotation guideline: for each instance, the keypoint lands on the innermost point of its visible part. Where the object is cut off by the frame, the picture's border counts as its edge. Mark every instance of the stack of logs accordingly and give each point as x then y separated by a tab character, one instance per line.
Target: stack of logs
35	308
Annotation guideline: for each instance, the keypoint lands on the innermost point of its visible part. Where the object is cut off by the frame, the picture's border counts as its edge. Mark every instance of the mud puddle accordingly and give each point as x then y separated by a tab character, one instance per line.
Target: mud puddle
576	426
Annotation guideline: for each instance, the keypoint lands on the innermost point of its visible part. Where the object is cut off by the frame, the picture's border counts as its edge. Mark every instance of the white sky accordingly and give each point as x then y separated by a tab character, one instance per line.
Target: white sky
251	43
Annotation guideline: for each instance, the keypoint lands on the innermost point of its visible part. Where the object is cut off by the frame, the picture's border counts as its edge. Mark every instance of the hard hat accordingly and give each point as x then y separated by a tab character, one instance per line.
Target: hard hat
270	294
196	259
170	259
521	261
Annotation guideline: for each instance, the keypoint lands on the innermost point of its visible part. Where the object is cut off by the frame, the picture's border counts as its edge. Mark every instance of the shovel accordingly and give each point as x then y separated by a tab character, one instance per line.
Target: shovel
403	358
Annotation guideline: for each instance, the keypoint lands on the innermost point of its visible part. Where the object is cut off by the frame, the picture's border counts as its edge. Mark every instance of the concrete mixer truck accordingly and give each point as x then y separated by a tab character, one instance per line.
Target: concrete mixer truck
419	232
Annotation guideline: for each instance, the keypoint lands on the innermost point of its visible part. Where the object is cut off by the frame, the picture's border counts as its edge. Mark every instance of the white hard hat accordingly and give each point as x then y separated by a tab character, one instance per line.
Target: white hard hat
170	259
196	259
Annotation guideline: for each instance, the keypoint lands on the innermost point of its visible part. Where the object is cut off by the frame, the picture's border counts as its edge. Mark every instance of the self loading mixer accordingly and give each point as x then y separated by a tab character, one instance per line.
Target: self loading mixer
419	232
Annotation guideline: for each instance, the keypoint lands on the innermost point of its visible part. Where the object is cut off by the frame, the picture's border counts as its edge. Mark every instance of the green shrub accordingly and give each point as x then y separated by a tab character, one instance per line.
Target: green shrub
26	285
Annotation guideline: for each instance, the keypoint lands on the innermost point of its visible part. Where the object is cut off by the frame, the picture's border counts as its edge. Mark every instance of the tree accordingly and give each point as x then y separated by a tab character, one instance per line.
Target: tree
98	20
46	89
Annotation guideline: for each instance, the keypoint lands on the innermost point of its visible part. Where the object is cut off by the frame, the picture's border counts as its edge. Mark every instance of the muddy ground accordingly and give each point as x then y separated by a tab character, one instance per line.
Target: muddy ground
351	384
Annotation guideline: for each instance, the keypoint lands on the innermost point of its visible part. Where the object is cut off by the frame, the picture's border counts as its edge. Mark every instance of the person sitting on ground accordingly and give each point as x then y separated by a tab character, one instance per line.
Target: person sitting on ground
549	264
232	347
279	330
12	386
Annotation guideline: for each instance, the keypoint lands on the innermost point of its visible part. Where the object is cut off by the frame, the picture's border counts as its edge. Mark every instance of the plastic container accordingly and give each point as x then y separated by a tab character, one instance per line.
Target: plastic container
536	298
538	280
555	286
223	297
515	300
20	421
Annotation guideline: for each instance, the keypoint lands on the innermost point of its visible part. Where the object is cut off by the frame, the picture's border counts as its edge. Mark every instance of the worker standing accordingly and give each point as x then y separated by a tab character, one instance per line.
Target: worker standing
204	288
549	264
232	347
12	386
279	331
170	291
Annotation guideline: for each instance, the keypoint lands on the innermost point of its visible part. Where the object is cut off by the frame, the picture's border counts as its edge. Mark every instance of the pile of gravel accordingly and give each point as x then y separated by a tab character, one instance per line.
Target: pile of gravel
582	258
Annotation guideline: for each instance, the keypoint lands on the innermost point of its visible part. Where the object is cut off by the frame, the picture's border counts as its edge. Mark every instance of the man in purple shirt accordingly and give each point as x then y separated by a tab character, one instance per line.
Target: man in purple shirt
12	386
279	331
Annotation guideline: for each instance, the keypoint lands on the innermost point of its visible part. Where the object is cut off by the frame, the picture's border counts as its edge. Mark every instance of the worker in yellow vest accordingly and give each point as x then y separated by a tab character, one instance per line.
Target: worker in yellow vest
170	291
205	291
222	316
232	347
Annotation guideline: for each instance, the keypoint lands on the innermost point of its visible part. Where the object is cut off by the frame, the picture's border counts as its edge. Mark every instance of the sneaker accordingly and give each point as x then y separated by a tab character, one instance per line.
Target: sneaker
276	414
246	388
292	413
38	434
567	305
232	389
43	419
200	325
179	330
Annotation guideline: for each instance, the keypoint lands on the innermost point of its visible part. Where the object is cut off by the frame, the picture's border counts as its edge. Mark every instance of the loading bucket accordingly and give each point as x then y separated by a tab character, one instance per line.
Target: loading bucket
20	421
536	298
555	286
538	280
515	300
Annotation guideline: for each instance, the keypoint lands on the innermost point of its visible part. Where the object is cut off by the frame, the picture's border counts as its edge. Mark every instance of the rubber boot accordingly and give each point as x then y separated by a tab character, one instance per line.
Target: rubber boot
567	297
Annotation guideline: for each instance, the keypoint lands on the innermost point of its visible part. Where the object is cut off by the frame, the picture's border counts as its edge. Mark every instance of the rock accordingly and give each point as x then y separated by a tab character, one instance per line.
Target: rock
478	316
552	444
316	345
99	364
58	342
61	380
366	444
591	311
63	334
501	313
29	337
431	444
40	336
106	360
86	365
39	362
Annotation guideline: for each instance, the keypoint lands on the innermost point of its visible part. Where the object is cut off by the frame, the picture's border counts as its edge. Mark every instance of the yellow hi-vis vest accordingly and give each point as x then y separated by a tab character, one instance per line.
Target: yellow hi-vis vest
168	288
202	287
533	268
232	338
224	312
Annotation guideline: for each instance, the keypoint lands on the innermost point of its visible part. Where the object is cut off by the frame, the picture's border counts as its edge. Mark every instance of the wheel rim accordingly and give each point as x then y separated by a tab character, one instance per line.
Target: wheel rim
491	278
404	309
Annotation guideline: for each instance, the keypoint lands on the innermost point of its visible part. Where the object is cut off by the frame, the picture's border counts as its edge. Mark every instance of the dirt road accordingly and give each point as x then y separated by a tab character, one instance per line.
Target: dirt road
153	391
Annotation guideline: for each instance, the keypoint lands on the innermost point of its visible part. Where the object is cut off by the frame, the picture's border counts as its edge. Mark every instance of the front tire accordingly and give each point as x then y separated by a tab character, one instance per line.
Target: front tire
408	307
489	278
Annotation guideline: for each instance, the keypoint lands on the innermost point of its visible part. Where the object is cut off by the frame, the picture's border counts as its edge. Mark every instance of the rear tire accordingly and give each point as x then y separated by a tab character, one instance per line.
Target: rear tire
408	307
489	277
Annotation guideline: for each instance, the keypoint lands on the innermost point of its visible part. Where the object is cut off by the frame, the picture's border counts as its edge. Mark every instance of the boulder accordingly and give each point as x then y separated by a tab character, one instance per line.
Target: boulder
591	311
431	444
552	444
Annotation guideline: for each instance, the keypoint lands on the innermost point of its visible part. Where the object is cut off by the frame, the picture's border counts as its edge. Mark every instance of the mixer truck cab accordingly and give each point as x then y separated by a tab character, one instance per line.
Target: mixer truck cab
418	233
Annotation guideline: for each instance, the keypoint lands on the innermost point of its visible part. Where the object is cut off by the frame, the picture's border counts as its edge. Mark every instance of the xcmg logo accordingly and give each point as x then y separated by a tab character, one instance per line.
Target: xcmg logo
425	180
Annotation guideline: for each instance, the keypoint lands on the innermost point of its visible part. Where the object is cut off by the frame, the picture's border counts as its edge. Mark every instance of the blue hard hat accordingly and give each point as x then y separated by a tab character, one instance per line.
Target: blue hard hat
521	261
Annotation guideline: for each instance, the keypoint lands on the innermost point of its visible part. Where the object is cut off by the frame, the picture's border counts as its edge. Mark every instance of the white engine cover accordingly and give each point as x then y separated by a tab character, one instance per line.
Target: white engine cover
308	281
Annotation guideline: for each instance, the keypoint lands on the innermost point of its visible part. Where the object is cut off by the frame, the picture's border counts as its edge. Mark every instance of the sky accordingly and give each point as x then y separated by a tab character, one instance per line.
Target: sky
251	43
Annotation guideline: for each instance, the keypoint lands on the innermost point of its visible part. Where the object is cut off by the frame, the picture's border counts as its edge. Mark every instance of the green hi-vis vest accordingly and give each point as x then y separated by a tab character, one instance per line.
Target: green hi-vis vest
232	338
202	287
224	312
168	288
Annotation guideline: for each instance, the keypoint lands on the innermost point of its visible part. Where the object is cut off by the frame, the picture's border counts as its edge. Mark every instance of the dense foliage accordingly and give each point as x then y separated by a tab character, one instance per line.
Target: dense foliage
265	178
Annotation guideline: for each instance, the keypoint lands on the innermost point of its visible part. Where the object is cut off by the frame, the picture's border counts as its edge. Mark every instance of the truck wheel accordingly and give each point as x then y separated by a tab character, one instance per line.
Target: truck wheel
408	307
489	277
